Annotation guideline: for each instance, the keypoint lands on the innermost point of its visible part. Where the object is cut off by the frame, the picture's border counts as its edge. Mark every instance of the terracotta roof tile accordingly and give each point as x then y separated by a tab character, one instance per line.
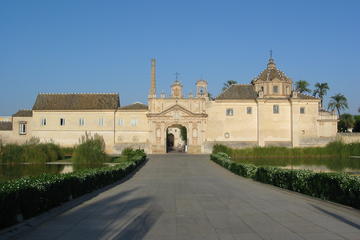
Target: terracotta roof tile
239	91
87	101
5	126
23	113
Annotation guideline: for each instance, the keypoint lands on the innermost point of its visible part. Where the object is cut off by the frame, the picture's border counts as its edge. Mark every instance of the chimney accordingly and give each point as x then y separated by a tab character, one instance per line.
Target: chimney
153	78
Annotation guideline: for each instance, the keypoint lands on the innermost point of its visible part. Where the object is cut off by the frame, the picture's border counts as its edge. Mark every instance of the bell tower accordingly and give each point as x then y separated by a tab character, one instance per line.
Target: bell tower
201	88
176	89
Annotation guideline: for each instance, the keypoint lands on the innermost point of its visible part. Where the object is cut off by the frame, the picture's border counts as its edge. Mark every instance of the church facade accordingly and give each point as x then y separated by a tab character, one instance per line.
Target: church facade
266	112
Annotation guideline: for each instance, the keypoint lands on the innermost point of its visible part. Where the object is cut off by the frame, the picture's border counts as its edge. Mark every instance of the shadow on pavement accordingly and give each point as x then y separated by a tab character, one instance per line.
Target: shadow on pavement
338	217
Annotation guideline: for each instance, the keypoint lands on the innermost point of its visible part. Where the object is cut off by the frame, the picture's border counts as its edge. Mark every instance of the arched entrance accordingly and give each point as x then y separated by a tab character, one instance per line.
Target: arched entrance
176	138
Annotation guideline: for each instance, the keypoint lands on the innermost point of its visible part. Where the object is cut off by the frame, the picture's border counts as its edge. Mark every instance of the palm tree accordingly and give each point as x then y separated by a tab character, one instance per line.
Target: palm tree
301	86
338	102
320	91
228	84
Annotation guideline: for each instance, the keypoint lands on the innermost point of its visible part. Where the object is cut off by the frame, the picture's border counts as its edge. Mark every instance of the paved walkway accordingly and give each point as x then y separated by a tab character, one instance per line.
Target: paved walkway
189	197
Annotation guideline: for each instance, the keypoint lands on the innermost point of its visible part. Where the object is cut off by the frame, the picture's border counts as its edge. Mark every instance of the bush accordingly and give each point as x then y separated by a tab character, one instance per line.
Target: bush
30	153
91	150
337	187
30	196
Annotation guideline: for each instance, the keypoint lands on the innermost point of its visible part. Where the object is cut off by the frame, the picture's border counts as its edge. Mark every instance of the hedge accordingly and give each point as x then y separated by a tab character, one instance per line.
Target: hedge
337	187
26	197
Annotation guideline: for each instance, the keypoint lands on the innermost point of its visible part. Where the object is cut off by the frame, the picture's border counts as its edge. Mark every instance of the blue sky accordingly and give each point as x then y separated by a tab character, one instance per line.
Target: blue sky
106	46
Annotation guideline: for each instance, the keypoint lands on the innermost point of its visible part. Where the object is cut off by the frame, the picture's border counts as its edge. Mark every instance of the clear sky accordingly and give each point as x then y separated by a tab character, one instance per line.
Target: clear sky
106	46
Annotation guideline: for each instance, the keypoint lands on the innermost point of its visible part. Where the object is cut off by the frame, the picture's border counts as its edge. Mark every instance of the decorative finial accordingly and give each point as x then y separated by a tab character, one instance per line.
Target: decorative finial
176	76
271	63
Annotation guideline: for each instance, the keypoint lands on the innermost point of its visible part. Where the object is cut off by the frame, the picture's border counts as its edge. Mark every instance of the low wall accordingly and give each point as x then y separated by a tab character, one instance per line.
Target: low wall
348	137
119	147
208	146
315	141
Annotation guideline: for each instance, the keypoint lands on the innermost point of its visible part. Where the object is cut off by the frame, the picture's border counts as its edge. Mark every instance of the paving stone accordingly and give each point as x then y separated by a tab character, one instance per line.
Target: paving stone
181	196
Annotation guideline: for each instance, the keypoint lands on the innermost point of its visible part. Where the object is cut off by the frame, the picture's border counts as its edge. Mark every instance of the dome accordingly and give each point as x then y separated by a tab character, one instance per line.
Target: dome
271	72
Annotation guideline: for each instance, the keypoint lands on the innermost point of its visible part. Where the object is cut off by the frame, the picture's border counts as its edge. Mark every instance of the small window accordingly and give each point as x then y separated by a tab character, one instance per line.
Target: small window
22	128
229	112
120	122
276	109
275	89
133	122
249	110
101	122
43	122
81	121
62	121
302	110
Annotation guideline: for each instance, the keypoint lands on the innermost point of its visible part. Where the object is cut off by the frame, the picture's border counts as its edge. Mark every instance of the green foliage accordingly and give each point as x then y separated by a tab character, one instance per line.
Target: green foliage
30	196
30	152
348	120
356	126
333	149
302	86
91	150
338	102
183	133
320	91
337	187
67	151
228	84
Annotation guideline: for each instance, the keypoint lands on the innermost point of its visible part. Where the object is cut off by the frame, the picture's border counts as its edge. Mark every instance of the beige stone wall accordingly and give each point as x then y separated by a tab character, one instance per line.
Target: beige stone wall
241	126
14	136
349	137
274	128
70	134
131	130
196	105
305	125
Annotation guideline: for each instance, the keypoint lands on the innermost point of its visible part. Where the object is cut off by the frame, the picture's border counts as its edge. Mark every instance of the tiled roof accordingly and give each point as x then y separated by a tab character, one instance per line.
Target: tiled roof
75	101
23	113
239	91
135	106
5	126
271	72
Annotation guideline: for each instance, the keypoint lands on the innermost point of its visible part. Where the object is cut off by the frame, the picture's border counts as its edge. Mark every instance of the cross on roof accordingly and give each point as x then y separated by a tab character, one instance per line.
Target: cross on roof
177	75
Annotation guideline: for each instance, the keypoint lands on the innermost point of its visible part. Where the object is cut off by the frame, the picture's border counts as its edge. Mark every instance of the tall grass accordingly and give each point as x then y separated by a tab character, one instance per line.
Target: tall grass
90	151
333	149
30	153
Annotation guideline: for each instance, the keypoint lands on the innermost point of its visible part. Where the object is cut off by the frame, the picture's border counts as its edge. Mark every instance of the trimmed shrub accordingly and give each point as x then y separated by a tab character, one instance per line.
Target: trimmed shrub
336	187
30	196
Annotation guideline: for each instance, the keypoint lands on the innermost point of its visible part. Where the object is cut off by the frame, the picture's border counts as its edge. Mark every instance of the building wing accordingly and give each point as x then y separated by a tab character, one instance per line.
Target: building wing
91	101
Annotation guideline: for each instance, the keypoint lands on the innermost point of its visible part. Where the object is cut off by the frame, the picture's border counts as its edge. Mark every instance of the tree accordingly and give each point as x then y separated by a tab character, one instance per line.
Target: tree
338	102
228	84
320	91
301	86
356	124
210	96
348	120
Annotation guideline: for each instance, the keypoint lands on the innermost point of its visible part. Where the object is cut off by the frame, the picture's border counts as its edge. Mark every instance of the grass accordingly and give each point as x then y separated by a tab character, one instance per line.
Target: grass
333	149
30	153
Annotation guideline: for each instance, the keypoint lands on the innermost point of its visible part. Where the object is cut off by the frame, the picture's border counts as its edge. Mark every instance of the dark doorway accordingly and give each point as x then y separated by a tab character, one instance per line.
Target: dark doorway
176	138
170	142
